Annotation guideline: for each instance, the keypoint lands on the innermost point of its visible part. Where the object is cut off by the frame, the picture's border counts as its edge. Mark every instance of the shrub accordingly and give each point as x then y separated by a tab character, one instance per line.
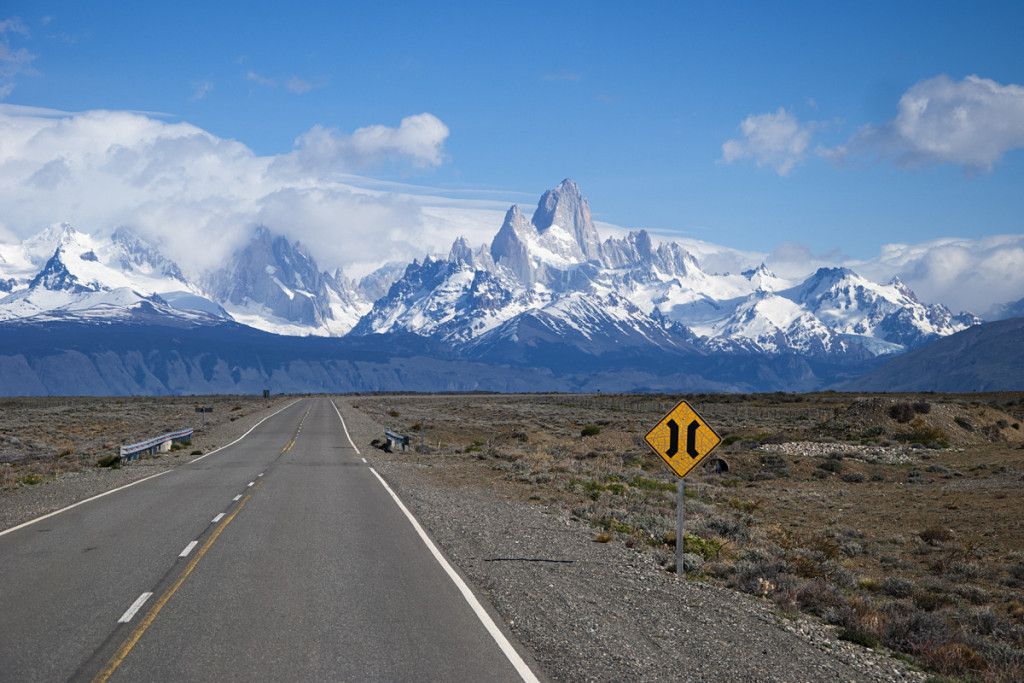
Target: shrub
109	461
393	413
922	407
897	587
974	594
831	465
854	478
931	437
196	452
908	629
934	535
901	412
707	548
590	430
602	537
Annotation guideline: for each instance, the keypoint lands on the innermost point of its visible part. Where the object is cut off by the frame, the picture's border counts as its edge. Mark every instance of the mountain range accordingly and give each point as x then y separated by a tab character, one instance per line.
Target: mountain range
548	294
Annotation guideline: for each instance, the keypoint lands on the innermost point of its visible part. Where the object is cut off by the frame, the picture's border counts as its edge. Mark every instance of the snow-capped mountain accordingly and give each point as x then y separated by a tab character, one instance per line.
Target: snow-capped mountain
94	278
545	284
851	304
765	321
552	275
275	285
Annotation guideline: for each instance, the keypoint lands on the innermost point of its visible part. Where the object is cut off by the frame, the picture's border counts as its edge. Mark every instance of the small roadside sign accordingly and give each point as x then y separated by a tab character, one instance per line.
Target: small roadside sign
682	438
204	410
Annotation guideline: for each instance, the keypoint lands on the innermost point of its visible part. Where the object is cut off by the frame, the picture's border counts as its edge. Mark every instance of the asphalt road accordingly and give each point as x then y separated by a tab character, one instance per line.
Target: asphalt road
282	557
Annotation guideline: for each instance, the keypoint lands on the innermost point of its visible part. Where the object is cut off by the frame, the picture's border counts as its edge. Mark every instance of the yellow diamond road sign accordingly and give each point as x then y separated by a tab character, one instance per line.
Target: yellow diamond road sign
682	438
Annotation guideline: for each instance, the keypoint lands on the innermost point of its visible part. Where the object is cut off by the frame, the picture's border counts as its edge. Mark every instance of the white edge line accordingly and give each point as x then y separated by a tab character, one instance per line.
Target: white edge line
139	481
188	548
363	459
345	428
81	502
130	612
521	667
220	516
250	484
236	498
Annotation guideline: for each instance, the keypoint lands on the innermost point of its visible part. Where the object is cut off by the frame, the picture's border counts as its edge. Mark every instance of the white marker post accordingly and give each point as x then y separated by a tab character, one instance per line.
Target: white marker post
680	498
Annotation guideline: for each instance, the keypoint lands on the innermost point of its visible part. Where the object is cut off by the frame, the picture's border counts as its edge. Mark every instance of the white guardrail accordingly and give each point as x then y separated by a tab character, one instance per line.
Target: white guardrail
133	451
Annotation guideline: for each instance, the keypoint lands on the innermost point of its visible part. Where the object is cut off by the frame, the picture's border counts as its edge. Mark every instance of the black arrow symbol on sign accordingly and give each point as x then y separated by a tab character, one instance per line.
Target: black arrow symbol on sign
691	439
673	438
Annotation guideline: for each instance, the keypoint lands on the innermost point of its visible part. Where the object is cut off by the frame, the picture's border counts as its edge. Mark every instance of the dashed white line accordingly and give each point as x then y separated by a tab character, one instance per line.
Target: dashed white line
220	516
260	474
130	612
236	498
215	450
251	483
188	548
363	459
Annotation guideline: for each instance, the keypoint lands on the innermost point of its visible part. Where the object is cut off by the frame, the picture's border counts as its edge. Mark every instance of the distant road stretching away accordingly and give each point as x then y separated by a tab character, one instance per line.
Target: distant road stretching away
281	557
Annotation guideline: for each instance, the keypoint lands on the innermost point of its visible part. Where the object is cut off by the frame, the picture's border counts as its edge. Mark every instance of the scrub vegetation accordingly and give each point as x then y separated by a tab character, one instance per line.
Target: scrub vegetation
895	519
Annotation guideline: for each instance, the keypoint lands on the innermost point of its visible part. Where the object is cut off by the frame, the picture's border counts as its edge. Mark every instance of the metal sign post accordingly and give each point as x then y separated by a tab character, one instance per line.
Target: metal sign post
680	536
682	449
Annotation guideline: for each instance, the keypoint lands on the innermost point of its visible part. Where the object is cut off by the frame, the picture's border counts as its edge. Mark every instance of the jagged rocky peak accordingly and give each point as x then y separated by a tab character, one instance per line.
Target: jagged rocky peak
376	284
461	251
637	249
272	274
566	207
138	253
902	287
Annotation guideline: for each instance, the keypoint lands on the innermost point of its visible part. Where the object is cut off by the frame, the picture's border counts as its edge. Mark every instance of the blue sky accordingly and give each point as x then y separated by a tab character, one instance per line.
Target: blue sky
633	102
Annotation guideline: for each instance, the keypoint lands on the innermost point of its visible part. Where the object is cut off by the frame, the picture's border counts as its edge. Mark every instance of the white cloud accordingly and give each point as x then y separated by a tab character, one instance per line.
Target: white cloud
200	194
964	274
418	139
14	61
970	123
774	139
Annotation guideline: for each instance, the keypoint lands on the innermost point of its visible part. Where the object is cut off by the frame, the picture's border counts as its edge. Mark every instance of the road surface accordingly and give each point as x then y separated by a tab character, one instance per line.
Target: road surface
281	557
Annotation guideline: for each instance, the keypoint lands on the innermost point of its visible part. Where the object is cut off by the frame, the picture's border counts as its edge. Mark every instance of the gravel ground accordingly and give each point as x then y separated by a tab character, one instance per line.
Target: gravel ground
29	502
886	455
599	612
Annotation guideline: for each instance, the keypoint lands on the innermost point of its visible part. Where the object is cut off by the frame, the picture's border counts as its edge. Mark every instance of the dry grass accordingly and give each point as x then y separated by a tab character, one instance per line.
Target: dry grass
924	556
41	438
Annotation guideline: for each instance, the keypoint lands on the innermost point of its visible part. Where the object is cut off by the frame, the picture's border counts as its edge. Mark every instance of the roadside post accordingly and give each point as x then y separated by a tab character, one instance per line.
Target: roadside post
682	452
204	410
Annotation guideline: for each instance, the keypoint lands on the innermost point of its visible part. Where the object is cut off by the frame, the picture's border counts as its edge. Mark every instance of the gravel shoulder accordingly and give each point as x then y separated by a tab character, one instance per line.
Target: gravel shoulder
66	488
596	612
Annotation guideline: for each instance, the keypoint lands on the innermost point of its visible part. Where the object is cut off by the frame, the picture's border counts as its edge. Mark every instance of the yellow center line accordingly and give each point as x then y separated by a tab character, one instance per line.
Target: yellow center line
126	648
